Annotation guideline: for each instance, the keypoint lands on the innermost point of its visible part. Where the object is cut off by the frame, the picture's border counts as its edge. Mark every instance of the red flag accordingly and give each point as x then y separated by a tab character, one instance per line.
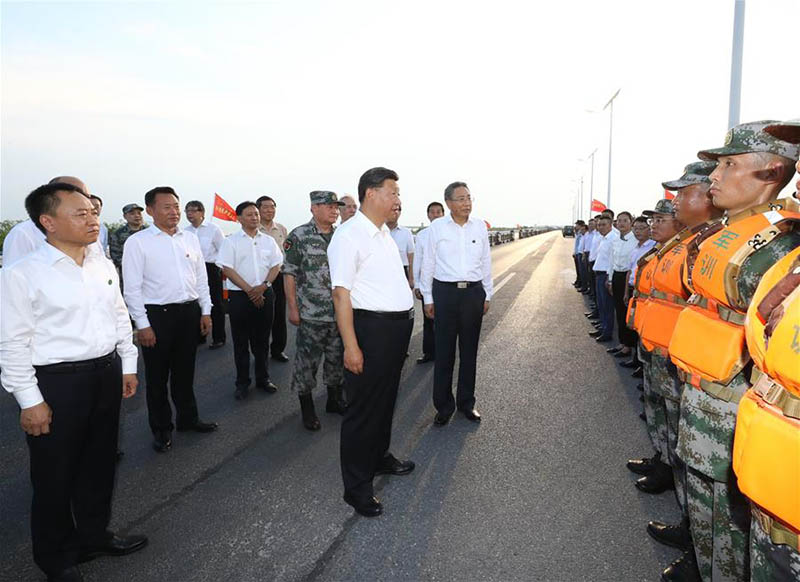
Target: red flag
488	226
669	195
222	209
598	206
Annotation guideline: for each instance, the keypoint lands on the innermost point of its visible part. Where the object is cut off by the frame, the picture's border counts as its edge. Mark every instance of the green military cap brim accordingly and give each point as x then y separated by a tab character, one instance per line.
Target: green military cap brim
663	206
325	197
788	131
694	173
751	137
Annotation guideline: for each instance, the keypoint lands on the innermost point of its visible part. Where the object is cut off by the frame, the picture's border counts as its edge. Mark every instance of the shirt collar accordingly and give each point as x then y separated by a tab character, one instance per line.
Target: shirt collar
155	231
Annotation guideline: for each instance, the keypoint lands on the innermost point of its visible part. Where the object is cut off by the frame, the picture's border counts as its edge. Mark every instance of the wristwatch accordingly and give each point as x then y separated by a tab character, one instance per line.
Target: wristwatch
268	284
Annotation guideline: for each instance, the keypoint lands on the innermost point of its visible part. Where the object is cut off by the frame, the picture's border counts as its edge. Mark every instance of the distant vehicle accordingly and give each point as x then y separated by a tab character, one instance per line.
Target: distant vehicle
568	230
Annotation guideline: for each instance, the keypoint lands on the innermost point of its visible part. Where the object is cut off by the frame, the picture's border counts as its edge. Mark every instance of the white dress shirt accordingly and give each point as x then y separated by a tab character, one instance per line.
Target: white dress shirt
103	238
250	256
160	269
603	255
638	252
23	238
456	253
404	241
593	246
364	259
586	241
577	244
56	311
419	245
210	237
621	249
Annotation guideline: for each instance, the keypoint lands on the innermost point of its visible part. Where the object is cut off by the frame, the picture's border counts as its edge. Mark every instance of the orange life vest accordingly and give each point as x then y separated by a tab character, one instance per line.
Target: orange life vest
637	305
708	343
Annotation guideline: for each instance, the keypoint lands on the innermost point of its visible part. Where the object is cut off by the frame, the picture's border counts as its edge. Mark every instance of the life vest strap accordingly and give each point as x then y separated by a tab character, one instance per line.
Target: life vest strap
718	391
724	312
671	297
773	393
778	532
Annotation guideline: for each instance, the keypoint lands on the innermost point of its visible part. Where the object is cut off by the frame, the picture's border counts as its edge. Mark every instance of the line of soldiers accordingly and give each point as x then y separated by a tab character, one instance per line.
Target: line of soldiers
716	305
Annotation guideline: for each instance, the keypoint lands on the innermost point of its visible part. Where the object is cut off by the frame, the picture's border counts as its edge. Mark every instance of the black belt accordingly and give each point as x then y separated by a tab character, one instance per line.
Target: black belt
77	367
459	284
385	314
171	306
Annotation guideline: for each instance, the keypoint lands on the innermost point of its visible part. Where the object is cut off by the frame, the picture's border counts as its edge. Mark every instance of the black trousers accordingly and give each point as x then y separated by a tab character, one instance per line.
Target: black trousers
72	468
250	327
218	306
367	426
459	315
583	262
171	361
428	338
619	283
277	326
576	260
592	282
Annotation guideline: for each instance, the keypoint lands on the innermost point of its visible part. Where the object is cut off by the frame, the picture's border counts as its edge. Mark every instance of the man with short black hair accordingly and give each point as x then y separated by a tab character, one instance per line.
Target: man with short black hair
68	359
266	208
375	315
166	289
602	263
251	260
349	209
435	210
210	237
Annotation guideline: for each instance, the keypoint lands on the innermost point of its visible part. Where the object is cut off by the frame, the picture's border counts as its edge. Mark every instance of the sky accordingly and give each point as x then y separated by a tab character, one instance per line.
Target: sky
285	97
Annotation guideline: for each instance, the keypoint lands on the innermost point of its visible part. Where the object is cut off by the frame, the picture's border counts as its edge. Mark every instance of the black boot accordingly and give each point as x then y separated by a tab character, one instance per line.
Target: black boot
310	420
677	536
336	402
660	479
684	569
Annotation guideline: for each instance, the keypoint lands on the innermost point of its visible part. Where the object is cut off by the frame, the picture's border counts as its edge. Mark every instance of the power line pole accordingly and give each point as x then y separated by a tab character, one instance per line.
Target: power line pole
736	64
610	105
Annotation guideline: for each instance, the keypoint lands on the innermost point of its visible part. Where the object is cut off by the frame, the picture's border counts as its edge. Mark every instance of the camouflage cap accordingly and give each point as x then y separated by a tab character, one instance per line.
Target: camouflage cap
788	131
325	197
663	206
694	173
128	207
751	137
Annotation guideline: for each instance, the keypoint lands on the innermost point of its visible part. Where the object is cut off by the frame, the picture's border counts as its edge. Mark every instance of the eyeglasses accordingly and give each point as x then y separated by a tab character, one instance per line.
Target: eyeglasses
462	199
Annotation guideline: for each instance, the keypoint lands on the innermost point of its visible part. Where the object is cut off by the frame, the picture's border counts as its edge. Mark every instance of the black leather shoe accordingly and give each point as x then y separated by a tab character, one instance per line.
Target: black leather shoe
676	536
658	481
269	387
637	373
216	345
621	354
114	546
308	413
368	507
199	426
684	569
628	364
441	419
613	350
280	357
472	415
391	466
590	313
595	334
162	441
603	339
644	466
71	574
424	359
643	416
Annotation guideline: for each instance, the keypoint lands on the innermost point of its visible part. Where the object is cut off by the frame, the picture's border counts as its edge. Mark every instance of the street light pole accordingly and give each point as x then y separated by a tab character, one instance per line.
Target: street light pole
591	183
736	64
610	105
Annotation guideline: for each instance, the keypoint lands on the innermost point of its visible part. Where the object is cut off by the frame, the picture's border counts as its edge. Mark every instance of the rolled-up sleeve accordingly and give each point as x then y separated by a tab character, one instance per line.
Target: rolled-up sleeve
16	337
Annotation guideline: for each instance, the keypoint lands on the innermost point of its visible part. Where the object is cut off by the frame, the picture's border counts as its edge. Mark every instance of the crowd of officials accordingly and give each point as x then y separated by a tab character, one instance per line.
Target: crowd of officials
704	293
70	316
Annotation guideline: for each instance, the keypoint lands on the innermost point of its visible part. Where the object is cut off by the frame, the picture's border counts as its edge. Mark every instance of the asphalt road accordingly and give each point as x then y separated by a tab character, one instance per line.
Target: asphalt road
537	491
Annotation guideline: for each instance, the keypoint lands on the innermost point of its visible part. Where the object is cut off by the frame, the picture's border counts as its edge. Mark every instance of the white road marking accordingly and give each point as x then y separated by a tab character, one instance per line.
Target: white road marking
505	280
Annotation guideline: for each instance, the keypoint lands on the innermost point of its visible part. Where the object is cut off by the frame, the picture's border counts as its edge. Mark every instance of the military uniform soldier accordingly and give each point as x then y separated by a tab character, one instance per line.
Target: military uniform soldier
310	306
134	222
707	344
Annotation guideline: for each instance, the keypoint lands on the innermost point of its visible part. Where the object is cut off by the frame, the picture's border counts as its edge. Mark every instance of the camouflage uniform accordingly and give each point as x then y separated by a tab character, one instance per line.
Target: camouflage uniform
654	408
307	261
719	514
116	242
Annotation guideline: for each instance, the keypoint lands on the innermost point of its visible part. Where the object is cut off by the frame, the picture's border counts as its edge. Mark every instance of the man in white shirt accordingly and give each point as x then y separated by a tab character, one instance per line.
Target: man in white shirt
349	209
210	237
166	289
405	244
456	287
621	249
578	233
68	359
97	202
586	245
267	208
602	262
250	260
435	210
375	315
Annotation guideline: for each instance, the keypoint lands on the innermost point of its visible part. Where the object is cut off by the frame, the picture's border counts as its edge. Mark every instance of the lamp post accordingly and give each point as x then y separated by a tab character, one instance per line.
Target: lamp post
736	64
610	107
591	180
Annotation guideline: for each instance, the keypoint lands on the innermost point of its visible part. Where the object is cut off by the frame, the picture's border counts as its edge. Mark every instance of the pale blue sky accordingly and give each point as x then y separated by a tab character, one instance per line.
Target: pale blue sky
282	98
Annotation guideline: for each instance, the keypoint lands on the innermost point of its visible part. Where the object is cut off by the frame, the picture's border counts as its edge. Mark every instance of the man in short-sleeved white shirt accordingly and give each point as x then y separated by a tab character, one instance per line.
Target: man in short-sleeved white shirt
435	210
375	316
404	240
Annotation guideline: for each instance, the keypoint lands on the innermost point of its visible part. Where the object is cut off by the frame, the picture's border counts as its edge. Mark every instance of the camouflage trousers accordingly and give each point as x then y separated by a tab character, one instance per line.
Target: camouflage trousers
654	411
664	381
719	514
771	562
316	339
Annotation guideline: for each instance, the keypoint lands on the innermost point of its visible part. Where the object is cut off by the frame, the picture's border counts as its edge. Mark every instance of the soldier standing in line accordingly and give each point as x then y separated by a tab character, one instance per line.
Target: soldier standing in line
708	342
310	306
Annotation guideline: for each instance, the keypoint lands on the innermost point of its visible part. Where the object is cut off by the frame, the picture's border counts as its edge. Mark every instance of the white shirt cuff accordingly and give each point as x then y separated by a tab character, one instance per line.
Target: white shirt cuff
129	365
428	297
142	322
28	397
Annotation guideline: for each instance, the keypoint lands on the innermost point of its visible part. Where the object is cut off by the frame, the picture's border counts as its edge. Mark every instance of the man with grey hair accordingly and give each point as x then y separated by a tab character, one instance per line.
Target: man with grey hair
349	209
456	287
